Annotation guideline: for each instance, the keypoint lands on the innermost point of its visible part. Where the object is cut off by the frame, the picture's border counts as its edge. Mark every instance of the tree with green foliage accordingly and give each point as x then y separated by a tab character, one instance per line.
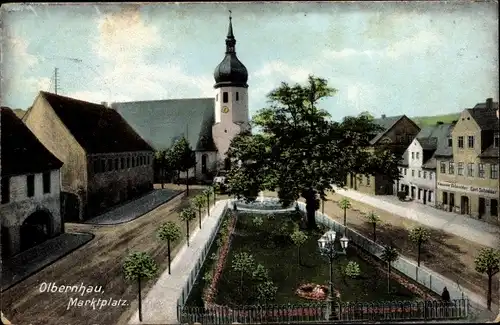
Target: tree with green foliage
138	266
243	263
352	269
389	255
266	291
208	192
169	232
301	152
199	202
257	221
159	163
299	238
374	220
345	204
260	273
419	235
184	158
187	215
488	262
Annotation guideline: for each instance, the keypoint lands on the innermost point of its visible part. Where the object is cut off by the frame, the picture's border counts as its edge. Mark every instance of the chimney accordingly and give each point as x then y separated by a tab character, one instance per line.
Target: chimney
383	116
489	103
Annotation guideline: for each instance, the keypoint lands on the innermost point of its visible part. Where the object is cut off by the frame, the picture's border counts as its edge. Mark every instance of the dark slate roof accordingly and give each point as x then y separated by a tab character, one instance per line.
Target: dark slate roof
22	152
484	117
490	152
162	122
443	132
428	143
386	123
98	129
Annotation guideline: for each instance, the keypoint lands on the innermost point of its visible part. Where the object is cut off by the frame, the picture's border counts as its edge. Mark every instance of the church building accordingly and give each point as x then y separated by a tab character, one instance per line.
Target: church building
208	124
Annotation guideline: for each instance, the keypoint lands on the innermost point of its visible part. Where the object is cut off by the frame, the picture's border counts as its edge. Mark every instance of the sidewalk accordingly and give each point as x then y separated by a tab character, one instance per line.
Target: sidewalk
160	304
135	208
471	229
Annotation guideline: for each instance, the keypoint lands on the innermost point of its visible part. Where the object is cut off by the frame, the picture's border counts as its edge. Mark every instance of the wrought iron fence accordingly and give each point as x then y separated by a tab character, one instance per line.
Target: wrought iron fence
199	264
318	312
421	275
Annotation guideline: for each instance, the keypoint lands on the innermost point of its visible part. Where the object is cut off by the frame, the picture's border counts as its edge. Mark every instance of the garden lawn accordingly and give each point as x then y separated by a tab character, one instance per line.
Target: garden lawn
279	255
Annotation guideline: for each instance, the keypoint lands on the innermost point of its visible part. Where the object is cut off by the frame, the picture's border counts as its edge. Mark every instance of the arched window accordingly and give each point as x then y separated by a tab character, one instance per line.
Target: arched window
204	163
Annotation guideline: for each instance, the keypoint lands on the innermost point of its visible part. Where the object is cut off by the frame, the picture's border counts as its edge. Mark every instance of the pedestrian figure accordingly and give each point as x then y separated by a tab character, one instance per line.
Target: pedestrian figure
445	295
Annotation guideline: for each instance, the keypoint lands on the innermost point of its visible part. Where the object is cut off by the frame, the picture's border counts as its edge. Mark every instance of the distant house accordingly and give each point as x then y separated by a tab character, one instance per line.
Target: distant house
396	135
30	188
467	174
105	161
418	169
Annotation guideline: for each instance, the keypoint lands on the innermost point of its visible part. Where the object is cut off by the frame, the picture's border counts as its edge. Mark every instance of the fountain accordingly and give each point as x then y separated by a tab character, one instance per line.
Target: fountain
261	197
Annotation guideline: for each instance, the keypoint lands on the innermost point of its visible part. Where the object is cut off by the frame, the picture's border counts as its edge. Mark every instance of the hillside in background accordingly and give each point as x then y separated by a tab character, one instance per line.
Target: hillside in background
432	120
19	112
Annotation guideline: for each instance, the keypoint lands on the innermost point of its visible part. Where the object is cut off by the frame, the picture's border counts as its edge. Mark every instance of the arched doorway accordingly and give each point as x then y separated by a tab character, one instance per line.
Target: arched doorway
70	204
204	163
35	229
227	164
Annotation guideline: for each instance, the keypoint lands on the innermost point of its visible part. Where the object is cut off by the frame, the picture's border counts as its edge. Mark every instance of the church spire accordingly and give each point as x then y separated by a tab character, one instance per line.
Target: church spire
230	40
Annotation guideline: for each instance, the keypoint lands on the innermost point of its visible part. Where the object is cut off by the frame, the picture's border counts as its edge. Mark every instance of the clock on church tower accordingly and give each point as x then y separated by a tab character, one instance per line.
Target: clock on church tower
231	96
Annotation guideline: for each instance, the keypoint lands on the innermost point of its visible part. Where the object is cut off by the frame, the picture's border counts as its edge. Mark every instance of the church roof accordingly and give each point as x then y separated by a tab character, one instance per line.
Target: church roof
230	72
162	122
98	129
22	152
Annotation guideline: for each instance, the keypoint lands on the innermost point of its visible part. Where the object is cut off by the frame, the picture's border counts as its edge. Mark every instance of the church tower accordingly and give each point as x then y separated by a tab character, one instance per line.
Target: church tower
231	97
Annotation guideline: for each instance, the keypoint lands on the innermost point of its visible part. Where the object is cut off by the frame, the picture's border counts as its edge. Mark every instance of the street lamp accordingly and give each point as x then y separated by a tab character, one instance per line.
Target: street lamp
326	246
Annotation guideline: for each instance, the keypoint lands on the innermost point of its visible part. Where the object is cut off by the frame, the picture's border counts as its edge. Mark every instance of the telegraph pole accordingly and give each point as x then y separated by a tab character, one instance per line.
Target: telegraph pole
56	81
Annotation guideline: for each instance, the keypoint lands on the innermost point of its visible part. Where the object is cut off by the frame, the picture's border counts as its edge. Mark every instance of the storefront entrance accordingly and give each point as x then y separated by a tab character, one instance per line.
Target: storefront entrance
464	205
452	202
482	207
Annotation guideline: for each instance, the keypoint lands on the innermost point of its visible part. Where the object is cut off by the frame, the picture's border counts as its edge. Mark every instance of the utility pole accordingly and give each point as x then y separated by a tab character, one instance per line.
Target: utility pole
56	81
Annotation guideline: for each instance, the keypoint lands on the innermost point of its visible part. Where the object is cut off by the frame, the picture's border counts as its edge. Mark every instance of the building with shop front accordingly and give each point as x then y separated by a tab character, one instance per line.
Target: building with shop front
418	168
105	161
396	135
30	188
467	173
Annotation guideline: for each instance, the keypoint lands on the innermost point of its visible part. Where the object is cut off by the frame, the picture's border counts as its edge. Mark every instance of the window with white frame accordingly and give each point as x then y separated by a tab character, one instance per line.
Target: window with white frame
494	171
480	170
460	169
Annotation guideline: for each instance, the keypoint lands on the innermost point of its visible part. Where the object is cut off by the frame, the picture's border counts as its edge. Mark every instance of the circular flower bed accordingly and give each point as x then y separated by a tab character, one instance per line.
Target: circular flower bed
314	291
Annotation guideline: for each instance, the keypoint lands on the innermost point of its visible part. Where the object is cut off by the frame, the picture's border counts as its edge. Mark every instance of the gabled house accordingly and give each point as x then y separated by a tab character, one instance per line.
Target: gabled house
396	135
105	161
467	180
30	188
418	168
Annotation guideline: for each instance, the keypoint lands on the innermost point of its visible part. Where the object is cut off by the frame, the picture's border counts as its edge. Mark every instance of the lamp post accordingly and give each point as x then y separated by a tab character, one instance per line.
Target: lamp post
327	248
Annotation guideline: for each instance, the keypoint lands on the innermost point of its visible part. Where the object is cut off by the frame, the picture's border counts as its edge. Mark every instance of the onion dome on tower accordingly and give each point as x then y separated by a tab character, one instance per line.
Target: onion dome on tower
230	72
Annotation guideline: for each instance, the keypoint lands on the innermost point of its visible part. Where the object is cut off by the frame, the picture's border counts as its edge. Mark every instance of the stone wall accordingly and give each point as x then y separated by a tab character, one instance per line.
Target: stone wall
120	180
20	207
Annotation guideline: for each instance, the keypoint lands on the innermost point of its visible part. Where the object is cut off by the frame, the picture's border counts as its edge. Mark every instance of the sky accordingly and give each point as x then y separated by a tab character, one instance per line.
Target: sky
383	57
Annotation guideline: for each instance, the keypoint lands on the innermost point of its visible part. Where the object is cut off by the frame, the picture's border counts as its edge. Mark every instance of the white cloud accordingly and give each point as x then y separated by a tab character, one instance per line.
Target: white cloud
18	64
280	69
417	44
124	42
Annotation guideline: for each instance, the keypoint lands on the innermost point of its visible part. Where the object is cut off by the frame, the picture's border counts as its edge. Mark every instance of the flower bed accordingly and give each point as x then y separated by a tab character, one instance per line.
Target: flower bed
314	291
211	290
